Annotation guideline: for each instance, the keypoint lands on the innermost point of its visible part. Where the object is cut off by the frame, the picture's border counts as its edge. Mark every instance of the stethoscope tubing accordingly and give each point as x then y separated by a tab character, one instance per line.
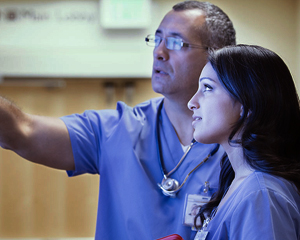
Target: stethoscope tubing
160	157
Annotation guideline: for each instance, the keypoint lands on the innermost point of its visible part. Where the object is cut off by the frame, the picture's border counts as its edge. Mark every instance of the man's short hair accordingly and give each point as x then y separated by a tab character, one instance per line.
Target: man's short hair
218	30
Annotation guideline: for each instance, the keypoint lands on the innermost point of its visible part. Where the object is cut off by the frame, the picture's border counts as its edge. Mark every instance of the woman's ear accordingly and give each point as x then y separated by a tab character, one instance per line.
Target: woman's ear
242	110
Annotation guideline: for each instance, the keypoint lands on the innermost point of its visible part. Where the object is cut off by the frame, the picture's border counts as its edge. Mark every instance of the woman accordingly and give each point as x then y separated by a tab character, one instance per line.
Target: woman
247	102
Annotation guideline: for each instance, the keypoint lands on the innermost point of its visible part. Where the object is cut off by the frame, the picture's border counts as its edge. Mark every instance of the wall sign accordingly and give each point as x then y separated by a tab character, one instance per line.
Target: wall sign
86	11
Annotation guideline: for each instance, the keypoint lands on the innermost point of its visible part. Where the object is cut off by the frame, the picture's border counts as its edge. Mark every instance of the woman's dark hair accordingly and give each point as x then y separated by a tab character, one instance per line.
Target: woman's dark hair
260	80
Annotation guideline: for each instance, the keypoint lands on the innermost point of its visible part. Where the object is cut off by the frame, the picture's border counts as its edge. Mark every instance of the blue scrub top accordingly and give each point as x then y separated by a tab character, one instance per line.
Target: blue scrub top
121	146
262	207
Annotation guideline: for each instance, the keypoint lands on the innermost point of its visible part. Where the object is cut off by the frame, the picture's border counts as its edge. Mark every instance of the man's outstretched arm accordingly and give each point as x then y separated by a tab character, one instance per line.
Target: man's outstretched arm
43	140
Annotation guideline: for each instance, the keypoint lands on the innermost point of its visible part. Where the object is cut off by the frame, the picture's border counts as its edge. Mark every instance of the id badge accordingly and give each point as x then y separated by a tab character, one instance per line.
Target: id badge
192	206
194	202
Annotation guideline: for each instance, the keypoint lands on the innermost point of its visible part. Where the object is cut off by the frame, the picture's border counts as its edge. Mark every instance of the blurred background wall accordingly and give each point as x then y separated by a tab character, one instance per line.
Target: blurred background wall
61	57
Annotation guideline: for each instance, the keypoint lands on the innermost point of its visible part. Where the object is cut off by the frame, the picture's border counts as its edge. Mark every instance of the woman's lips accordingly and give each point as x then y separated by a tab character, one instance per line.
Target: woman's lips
196	119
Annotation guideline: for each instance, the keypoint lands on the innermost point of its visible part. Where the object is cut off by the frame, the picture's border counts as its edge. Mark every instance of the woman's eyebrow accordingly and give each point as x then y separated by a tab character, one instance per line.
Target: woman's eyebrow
203	78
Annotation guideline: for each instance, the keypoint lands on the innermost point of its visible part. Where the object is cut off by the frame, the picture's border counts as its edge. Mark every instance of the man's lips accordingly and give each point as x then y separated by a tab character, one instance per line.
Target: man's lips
159	71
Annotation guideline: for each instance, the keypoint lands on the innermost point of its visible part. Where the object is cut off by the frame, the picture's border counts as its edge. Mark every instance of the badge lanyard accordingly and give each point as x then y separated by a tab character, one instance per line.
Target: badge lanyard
201	234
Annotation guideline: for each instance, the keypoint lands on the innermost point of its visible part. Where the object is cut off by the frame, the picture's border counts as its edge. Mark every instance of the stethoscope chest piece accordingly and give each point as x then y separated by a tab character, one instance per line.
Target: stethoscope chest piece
169	187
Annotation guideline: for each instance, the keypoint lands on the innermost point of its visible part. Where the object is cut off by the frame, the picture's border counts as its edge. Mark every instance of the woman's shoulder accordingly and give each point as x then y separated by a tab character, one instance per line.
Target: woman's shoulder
266	186
265	206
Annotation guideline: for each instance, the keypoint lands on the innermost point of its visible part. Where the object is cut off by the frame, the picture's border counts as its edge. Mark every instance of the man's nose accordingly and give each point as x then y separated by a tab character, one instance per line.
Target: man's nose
161	52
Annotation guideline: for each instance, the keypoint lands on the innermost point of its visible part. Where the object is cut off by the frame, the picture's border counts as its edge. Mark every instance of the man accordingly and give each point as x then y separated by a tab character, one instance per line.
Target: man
136	150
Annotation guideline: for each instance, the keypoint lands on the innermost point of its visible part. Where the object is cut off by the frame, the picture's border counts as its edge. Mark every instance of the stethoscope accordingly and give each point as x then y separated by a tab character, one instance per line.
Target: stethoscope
171	186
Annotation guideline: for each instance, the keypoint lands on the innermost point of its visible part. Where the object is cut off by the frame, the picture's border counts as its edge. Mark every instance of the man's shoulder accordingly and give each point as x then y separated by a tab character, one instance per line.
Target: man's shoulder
153	102
150	106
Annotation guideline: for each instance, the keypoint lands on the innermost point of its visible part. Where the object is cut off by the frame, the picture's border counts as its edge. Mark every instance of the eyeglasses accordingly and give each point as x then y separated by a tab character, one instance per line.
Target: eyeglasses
171	43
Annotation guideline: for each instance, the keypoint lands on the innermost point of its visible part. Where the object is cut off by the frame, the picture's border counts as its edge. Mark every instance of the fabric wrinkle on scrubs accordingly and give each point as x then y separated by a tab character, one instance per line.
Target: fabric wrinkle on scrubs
120	145
262	202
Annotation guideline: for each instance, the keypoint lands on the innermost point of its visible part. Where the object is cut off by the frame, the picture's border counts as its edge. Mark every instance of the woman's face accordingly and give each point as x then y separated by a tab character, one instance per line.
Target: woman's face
215	111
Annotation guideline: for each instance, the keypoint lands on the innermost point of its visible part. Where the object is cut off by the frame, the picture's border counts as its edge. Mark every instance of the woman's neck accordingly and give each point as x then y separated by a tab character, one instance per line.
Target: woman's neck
237	160
240	167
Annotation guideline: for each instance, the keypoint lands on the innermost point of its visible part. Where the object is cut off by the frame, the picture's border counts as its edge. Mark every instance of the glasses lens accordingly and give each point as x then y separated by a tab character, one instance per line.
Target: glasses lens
157	40
173	43
151	40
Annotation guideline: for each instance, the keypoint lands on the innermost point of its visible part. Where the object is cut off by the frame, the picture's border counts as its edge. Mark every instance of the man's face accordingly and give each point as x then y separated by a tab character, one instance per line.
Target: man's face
176	72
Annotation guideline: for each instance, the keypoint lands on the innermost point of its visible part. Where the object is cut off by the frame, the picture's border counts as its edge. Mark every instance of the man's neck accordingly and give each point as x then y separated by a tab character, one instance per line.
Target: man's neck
181	118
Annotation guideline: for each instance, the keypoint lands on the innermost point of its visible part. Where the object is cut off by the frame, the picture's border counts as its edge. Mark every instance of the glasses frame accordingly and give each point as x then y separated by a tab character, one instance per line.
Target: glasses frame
150	38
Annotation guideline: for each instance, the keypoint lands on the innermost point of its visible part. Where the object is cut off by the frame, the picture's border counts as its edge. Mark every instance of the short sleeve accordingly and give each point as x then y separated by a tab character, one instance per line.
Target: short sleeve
97	135
85	134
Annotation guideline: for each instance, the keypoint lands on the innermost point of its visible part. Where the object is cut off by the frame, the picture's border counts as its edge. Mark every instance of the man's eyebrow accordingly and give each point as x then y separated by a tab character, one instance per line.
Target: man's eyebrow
174	34
158	31
206	78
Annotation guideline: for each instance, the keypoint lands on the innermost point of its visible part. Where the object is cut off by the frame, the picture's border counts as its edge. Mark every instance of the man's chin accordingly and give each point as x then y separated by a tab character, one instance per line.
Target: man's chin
156	85
157	89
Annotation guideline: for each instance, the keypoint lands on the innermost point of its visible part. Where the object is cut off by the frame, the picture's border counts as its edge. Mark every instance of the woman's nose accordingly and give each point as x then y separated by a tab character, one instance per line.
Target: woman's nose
193	104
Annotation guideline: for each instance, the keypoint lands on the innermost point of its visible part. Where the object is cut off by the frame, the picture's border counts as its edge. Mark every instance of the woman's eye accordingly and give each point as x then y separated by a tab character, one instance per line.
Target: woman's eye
207	87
